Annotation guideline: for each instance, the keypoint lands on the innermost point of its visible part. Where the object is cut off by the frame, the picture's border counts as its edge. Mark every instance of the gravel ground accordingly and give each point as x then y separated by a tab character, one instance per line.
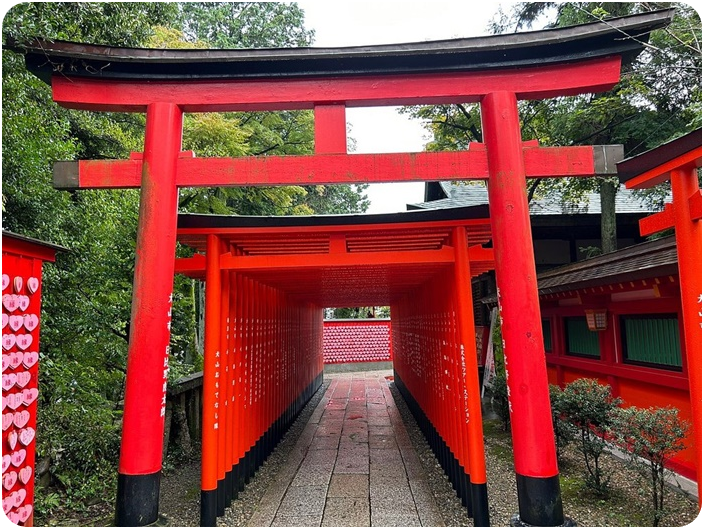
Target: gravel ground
628	505
179	501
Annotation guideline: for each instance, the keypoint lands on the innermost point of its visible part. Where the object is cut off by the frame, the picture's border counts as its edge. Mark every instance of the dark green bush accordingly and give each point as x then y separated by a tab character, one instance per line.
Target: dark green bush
565	431
590	407
78	429
651	437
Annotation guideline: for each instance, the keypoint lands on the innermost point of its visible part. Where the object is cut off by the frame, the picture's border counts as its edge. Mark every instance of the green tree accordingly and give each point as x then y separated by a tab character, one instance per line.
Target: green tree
87	293
658	98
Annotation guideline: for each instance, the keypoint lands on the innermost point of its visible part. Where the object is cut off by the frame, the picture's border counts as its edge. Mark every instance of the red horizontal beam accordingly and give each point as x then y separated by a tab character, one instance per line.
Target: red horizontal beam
477	253
661	173
540	162
658	222
335	260
190	265
541	82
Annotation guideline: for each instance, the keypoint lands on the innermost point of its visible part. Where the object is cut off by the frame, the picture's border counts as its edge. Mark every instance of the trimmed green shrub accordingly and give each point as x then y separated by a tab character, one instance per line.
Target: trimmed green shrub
591	408
651	436
565	431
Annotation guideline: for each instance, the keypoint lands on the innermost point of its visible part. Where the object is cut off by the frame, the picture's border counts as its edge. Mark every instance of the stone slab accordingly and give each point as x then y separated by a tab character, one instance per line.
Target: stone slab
349	486
346	512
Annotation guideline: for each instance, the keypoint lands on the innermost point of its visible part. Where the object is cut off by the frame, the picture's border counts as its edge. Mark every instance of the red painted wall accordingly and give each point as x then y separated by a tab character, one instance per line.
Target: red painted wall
639	386
346	341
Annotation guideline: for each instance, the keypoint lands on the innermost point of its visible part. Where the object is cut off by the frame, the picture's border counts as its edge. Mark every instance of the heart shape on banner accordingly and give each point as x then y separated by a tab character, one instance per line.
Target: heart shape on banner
18	457
30	395
23	302
9	479
27	436
8	341
4	403
8	381
21	418
5	320
5	281
7	419
16	322
7	504
25	475
5	462
16	359
23	378
14	400
11	302
31	321
24	512
19	496
32	285
30	358
5	362
17	284
13	515
24	341
12	439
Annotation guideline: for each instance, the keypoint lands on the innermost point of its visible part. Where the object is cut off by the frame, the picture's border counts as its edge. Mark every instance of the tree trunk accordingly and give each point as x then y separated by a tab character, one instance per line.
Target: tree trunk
607	194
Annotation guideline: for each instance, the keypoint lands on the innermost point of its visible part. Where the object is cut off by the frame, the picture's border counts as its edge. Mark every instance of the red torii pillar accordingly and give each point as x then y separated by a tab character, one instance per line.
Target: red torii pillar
148	355
535	459
684	214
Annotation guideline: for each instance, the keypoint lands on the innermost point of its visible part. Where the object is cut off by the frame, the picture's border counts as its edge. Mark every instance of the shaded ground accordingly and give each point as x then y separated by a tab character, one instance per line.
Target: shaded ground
628	505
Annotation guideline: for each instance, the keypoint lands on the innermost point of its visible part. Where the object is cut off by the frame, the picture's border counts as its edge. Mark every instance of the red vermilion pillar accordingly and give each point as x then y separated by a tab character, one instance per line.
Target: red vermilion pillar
535	460
471	399
688	235
210	426
148	354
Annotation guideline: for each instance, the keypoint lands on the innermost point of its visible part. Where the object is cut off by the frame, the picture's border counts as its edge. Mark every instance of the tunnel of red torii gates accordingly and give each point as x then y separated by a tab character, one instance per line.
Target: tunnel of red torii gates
267	281
280	360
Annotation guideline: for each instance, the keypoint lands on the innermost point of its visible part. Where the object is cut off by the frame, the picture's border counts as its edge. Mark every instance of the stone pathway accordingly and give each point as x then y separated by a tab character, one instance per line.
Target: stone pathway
354	465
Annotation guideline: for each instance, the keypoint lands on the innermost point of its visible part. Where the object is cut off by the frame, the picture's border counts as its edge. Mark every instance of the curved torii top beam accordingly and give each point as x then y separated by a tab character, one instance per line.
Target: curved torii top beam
445	71
623	36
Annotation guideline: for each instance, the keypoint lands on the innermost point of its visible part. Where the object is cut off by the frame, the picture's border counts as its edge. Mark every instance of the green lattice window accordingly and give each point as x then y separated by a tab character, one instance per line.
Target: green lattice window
547	336
652	339
580	340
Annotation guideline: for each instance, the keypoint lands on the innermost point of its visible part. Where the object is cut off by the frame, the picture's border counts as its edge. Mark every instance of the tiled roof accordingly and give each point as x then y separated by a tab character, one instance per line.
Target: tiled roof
464	195
648	259
347	341
641	261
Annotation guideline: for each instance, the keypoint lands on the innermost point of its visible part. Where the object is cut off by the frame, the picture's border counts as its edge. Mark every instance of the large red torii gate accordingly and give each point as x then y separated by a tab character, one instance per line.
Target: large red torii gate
494	71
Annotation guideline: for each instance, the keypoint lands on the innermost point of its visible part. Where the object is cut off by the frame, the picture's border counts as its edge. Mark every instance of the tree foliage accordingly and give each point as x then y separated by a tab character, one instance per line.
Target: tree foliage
87	292
657	99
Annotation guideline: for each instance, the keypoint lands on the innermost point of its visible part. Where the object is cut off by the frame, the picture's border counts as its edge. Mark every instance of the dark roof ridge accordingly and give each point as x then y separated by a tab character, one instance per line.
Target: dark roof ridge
623	36
618	255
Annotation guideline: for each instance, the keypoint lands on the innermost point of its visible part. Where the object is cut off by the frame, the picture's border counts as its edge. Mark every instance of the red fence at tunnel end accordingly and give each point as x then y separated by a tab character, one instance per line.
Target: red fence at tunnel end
359	340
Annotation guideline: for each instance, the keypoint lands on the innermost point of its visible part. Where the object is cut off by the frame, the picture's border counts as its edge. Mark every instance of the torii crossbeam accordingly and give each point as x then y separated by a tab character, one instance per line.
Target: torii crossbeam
495	71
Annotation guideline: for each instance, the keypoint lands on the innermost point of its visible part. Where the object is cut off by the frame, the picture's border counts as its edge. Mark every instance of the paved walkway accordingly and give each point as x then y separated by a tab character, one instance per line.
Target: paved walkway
352	466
